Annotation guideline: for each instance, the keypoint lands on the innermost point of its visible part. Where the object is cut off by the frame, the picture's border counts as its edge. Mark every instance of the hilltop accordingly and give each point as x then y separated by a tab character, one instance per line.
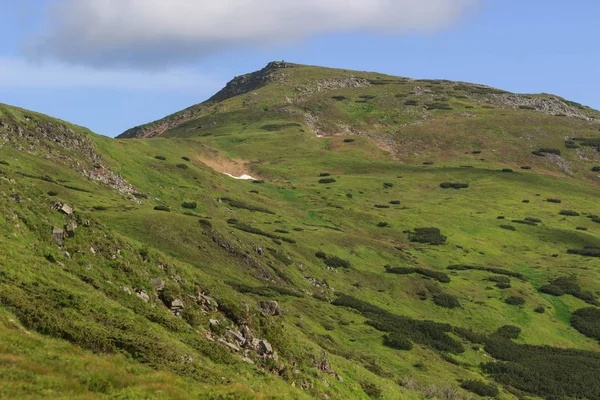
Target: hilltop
393	238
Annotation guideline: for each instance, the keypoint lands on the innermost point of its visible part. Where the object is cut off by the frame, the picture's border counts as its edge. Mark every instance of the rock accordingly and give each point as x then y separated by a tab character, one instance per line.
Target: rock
177	307
264	348
142	295
237	336
70	228
126	290
213	322
247	360
248	335
270	308
92	251
208	304
64	208
159	284
58	234
259	250
66	254
230	345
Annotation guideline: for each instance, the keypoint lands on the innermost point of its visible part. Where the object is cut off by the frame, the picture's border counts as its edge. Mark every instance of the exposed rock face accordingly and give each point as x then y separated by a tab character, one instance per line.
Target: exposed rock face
70	228
142	295
545	104
64	208
158	283
177	307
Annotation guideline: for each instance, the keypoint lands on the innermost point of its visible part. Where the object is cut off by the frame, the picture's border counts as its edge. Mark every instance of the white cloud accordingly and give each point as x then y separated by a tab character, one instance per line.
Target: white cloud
155	33
19	73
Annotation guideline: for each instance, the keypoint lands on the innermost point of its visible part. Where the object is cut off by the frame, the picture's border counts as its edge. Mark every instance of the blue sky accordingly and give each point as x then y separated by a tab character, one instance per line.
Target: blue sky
113	64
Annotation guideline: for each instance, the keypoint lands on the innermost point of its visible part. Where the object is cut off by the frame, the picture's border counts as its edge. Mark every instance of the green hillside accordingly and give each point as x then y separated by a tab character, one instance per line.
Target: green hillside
397	239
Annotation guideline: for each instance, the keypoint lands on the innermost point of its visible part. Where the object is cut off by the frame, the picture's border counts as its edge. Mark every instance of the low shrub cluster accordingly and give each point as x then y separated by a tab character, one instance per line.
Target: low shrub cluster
569	213
586	251
185	159
279	127
508	332
395	202
587	322
256	231
162	208
480	388
397	341
246	206
427	235
423	332
327	180
388	185
596	169
526	167
450	185
437	275
182	166
568	285
190	205
333	261
514	301
508	227
381	206
557	201
507	170
497	271
446	300
161	158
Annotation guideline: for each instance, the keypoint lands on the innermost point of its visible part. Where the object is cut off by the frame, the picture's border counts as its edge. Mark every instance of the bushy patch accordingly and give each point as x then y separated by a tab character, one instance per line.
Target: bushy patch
569	213
161	158
182	166
526	167
450	185
514	301
397	341
327	180
480	388
446	300
395	202
388	185
185	159
411	103
190	205
333	261
508	227
383	224
547	150
587	322
497	271
539	309
524	222
4	162
256	231
246	206
568	285
338	98
52	193
381	206
279	127
427	235
507	170
508	332
371	389
437	275
426	333
162	208
596	169
556	201
587	251
348	140
323	174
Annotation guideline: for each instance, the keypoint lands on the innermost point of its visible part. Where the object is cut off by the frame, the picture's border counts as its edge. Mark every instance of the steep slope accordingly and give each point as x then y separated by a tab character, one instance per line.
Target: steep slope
348	270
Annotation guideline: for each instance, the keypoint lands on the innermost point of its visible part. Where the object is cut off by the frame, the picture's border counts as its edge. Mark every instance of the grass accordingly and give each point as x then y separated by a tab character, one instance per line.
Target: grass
77	308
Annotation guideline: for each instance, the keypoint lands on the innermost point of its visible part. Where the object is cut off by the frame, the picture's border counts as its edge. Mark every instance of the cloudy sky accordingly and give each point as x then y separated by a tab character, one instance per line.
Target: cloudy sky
114	64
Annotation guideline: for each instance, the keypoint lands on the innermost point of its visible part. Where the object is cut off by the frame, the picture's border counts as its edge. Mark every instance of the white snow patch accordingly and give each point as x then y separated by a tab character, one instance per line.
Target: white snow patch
242	177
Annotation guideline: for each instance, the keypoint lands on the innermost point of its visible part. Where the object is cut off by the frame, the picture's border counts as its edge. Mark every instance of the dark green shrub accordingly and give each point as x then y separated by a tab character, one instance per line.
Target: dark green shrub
437	275
550	151
427	235
327	180
338	98
162	208
246	206
279	127
395	202
526	167
524	222
507	170
388	185
321	255
568	285
587	322
260	181
557	201
191	205
256	231
371	389
182	166
525	201
206	223
509	332
596	169
4	162
348	140
336	262
383	224
322	174
502	285
161	158
185	159
501	217
588	252
438	106
428	163
411	103
569	213
498	271
534	220
508	227
538	153
515	301
397	341
480	388
539	309
476	152
52	193
140	195
446	301
100	208
581	228
449	185
381	206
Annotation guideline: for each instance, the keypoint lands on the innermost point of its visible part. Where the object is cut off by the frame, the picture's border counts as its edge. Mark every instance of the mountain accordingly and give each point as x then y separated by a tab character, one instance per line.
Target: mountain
386	238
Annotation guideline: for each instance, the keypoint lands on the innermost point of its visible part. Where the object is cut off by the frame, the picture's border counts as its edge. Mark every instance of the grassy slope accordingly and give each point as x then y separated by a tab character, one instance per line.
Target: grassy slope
468	217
